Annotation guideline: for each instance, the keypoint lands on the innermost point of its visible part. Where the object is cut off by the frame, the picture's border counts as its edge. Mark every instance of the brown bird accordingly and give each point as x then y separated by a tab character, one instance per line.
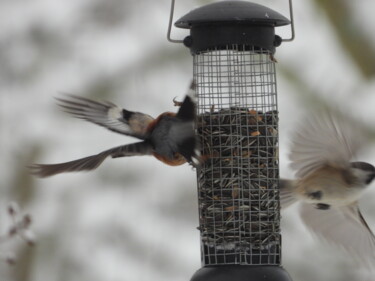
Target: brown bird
170	137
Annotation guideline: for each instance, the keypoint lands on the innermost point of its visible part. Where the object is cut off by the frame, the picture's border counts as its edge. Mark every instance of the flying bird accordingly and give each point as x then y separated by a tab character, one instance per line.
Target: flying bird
170	137
330	182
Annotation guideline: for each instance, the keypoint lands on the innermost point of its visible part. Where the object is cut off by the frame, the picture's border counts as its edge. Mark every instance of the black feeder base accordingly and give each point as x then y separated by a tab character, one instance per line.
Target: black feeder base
241	273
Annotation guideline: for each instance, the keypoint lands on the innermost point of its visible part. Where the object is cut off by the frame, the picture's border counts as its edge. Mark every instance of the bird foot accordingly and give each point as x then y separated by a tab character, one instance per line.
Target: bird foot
176	103
322	206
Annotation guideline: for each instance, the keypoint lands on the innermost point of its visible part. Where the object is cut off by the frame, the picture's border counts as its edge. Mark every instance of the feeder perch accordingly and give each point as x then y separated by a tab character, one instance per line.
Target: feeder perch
233	43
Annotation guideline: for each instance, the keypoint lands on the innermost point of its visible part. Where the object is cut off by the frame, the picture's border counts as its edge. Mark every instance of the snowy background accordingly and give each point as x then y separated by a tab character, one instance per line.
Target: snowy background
135	219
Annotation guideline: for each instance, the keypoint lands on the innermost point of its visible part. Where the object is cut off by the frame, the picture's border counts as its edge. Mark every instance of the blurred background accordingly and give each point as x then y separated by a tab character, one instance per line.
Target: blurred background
135	219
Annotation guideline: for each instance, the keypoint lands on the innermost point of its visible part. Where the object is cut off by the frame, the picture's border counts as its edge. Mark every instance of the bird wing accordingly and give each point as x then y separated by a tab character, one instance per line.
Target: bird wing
187	140
187	110
108	115
324	138
91	162
344	227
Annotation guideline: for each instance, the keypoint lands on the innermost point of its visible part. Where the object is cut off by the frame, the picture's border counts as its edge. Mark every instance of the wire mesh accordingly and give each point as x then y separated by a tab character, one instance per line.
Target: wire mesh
237	123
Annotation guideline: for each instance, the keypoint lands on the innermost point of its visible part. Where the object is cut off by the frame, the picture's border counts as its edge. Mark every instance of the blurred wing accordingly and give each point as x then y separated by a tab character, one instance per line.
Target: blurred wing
188	106
91	162
344	227
108	115
324	138
183	133
186	142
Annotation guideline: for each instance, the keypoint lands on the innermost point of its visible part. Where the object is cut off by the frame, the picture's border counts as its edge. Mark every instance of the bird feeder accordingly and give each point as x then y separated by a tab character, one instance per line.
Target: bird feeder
233	45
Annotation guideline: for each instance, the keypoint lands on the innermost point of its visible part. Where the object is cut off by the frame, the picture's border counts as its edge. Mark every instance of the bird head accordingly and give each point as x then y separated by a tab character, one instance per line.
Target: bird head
364	171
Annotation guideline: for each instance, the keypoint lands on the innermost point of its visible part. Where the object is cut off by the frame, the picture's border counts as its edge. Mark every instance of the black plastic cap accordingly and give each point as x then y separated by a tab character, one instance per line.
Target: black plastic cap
232	12
225	24
241	273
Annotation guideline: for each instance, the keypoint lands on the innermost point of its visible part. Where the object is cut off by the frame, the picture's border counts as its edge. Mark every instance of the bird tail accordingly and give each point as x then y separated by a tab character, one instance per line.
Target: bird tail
91	162
287	193
83	164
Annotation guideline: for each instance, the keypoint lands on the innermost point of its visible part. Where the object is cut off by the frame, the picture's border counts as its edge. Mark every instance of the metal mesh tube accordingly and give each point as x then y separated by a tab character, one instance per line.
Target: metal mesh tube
238	183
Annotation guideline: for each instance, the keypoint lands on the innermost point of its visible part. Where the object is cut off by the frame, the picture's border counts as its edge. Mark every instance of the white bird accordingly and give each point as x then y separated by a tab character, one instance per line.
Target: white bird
329	184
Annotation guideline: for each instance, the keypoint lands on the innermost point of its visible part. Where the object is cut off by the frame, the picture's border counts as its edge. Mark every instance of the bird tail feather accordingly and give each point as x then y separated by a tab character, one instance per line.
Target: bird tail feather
91	162
83	164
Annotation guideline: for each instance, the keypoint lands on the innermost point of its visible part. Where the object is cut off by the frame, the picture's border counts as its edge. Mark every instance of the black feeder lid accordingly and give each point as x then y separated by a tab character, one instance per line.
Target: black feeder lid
224	24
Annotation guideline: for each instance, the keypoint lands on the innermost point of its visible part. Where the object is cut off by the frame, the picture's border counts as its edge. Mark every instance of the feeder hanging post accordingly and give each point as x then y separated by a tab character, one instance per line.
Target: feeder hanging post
233	45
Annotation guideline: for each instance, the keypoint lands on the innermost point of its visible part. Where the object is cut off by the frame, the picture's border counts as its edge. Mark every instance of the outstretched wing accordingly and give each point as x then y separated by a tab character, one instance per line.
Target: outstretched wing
108	115
344	227
324	138
91	162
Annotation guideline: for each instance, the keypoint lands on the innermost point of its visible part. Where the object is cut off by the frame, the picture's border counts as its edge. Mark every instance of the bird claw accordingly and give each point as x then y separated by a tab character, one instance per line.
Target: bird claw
322	206
176	103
